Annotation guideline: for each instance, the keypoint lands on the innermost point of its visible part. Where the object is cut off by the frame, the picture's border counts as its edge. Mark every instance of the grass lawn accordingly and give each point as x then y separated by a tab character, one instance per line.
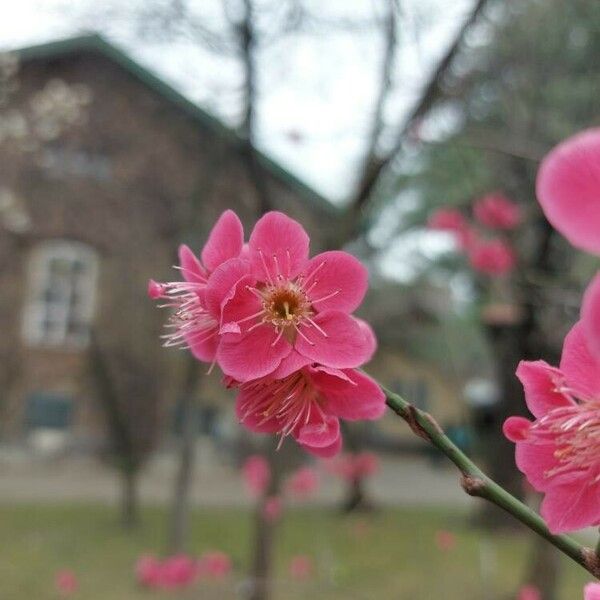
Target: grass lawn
389	555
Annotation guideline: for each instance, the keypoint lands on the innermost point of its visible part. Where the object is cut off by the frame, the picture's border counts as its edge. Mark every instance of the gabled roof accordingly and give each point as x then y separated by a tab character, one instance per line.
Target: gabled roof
98	44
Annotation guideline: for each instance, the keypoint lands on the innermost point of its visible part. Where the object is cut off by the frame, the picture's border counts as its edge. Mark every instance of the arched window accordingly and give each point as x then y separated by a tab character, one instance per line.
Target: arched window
62	289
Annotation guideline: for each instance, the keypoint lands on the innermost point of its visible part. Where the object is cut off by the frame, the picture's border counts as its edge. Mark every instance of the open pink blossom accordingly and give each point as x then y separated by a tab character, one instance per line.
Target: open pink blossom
492	257
192	323
148	571
496	211
591	591
302	483
529	592
301	567
66	582
214	565
257	474
559	452
568	189
272	509
290	310
308	403
452	221
590	315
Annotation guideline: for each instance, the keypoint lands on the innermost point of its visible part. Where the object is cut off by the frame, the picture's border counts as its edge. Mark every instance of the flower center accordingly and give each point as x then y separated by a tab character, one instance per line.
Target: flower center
575	431
285	305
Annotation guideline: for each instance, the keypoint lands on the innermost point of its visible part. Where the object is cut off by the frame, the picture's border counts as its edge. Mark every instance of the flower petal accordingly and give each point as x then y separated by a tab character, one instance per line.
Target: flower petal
278	246
203	345
293	362
572	506
355	398
370	338
590	315
252	355
335	280
580	367
327	451
191	269
516	428
534	461
222	281
568	189
319	432
591	591
540	382
341	343
225	241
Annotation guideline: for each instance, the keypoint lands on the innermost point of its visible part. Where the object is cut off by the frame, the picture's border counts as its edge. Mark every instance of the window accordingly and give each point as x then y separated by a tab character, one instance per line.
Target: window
46	410
62	291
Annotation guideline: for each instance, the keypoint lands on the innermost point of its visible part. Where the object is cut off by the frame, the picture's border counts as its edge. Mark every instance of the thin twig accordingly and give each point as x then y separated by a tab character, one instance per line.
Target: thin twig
476	483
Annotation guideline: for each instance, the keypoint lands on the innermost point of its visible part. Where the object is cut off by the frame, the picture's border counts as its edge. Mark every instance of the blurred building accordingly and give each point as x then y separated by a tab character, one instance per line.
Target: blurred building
87	216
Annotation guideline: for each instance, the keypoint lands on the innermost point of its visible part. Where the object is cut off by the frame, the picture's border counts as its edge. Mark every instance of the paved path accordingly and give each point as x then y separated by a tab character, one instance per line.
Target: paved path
404	481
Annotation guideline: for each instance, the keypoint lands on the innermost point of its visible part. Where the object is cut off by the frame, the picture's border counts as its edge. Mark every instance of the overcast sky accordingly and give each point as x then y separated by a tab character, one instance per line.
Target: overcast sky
316	90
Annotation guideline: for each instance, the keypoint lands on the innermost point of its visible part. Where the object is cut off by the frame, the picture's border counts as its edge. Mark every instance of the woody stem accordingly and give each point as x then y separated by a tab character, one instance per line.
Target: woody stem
476	483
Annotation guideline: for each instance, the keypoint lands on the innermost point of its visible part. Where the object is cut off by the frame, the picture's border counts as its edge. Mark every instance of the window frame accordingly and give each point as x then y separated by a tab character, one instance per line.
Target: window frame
38	307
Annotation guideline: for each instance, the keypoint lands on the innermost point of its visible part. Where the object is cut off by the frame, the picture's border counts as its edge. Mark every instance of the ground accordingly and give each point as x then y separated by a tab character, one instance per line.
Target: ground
390	554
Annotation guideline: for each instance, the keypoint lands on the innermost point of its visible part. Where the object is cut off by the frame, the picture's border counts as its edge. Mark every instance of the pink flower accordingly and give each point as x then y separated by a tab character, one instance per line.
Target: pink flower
257	474
289	311
351	467
195	323
308	403
66	582
568	189
445	540
591	591
453	221
303	482
559	452
590	315
272	509
178	571
492	257
529	592
496	211
148	571
216	565
301	567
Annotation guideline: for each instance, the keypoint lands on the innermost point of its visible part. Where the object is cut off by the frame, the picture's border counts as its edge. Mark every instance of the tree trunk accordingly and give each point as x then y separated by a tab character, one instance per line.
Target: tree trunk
130	514
180	508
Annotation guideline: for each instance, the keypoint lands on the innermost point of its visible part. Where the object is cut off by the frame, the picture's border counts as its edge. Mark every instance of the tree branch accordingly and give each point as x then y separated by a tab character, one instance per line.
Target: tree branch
476	483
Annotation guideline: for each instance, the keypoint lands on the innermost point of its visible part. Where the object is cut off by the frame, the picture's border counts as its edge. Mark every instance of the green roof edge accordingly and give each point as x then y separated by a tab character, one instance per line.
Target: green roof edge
95	42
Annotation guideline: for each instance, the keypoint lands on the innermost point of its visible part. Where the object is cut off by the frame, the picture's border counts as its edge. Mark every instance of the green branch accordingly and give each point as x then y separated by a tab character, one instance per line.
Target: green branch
476	483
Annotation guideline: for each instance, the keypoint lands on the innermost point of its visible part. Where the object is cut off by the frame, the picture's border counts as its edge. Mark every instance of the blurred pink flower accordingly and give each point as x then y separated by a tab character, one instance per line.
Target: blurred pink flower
559	452
195	321
445	540
591	591
148	571
303	482
178	571
590	315
301	567
453	221
272	509
496	211
291	311
308	403
66	582
492	257
529	592
568	189
214	564
354	466
257	474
